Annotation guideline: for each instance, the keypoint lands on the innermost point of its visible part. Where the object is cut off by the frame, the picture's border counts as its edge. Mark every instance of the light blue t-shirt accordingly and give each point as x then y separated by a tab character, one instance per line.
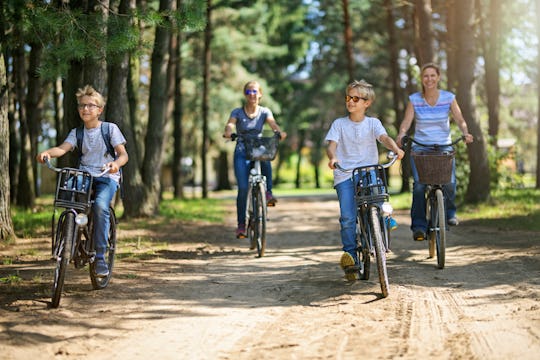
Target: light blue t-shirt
356	143
432	122
94	150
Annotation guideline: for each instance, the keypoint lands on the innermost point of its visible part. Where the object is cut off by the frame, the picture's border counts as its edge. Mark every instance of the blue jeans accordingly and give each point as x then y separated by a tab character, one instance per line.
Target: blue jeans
418	209
105	188
241	171
347	220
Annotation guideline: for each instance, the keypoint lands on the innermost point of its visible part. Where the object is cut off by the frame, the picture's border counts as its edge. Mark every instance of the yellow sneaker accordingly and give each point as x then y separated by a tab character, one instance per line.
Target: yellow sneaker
348	266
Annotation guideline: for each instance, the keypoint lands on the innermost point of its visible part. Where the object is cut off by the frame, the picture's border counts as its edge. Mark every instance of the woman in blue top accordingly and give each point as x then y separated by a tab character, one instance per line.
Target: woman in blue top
249	120
431	108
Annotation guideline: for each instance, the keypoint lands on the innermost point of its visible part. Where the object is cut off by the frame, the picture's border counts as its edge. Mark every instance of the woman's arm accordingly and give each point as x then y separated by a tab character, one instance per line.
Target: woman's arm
274	126
229	127
405	124
460	121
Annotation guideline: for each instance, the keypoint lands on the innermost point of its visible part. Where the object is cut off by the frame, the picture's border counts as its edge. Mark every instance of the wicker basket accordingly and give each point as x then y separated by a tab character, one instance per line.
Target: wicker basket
434	168
261	148
73	189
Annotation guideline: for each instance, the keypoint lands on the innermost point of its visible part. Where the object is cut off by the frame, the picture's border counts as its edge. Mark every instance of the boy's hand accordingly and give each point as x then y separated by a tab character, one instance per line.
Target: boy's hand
42	156
113	167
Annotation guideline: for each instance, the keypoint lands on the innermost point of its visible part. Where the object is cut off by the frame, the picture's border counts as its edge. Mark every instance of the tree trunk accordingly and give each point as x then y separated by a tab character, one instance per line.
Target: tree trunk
95	67
491	46
538	94
177	173
479	180
206	81
347	38
6	225
117	111
451	45
423	32
157	111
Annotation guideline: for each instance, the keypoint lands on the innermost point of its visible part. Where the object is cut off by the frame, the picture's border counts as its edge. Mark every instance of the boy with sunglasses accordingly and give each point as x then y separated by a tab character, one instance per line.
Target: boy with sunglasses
352	142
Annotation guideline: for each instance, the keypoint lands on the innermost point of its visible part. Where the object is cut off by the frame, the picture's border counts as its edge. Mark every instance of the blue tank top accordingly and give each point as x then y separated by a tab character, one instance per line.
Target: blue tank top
432	122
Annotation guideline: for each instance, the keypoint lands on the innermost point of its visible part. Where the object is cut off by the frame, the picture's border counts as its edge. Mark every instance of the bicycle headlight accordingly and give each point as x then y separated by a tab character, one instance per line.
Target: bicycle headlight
253	172
387	209
81	219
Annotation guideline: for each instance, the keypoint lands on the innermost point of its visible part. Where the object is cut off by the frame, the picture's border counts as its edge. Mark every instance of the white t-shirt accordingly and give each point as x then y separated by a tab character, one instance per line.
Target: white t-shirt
356	143
94	150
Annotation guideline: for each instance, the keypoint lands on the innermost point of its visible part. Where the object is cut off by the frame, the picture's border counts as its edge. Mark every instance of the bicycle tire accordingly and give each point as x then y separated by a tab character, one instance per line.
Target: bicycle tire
362	252
432	233
249	220
380	252
62	254
441	234
101	282
260	219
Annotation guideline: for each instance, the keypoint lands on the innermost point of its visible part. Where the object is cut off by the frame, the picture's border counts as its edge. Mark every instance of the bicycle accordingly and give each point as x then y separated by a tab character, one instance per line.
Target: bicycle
434	169
72	235
372	233
257	149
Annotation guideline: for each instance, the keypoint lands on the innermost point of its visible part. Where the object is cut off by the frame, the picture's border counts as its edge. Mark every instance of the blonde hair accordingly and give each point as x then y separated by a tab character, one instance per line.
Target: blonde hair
365	89
89	91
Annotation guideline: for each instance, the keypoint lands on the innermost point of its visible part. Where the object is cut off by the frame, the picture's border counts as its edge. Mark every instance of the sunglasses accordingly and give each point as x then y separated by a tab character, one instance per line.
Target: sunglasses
354	98
251	92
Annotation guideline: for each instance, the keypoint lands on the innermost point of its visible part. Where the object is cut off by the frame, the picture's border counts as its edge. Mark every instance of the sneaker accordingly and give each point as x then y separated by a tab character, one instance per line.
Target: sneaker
391	223
241	232
101	268
348	266
270	199
419	235
453	221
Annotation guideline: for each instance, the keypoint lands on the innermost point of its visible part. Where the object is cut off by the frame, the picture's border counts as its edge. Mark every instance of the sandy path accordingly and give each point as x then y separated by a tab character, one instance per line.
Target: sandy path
215	300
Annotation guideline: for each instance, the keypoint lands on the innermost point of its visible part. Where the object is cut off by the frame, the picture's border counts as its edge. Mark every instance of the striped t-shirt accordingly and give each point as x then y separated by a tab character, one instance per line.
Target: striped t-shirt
432	122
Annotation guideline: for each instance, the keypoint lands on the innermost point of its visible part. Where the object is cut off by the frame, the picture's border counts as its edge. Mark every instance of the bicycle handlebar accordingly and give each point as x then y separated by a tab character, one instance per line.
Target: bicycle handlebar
105	170
235	136
406	139
391	155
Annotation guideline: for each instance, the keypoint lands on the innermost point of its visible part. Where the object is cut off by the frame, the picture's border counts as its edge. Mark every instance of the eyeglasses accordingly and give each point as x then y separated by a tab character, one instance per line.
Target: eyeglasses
354	98
251	92
87	106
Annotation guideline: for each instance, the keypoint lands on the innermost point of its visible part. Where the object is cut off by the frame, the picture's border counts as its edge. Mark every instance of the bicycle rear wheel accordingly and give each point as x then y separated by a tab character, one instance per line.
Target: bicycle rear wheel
440	221
62	254
259	214
432	224
380	251
100	282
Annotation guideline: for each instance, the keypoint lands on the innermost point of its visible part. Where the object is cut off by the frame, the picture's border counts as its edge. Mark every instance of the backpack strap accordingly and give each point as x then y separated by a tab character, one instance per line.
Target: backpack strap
106	133
79	132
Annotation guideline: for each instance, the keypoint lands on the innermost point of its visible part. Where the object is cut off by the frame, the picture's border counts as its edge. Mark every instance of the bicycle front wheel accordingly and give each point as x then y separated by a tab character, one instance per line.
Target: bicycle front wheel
99	282
380	251
259	213
62	253
362	250
440	221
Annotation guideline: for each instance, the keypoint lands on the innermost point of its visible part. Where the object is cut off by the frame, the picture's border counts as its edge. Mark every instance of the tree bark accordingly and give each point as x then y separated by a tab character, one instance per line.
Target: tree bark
206	81
6	225
117	111
157	110
347	37
423	32
538	87
479	180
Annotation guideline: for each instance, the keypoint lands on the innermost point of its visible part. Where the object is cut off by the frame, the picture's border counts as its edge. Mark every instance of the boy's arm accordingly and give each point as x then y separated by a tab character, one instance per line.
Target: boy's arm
54	152
391	145
120	161
331	153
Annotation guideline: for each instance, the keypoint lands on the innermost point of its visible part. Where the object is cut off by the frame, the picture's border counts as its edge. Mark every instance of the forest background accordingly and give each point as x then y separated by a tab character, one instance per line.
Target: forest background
173	70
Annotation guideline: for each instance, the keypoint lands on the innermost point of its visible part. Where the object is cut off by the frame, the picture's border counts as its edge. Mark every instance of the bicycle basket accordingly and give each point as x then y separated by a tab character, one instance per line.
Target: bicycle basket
261	148
73	189
434	168
371	185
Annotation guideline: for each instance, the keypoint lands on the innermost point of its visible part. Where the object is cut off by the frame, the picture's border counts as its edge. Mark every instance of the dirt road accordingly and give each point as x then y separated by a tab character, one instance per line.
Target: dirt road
201	294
